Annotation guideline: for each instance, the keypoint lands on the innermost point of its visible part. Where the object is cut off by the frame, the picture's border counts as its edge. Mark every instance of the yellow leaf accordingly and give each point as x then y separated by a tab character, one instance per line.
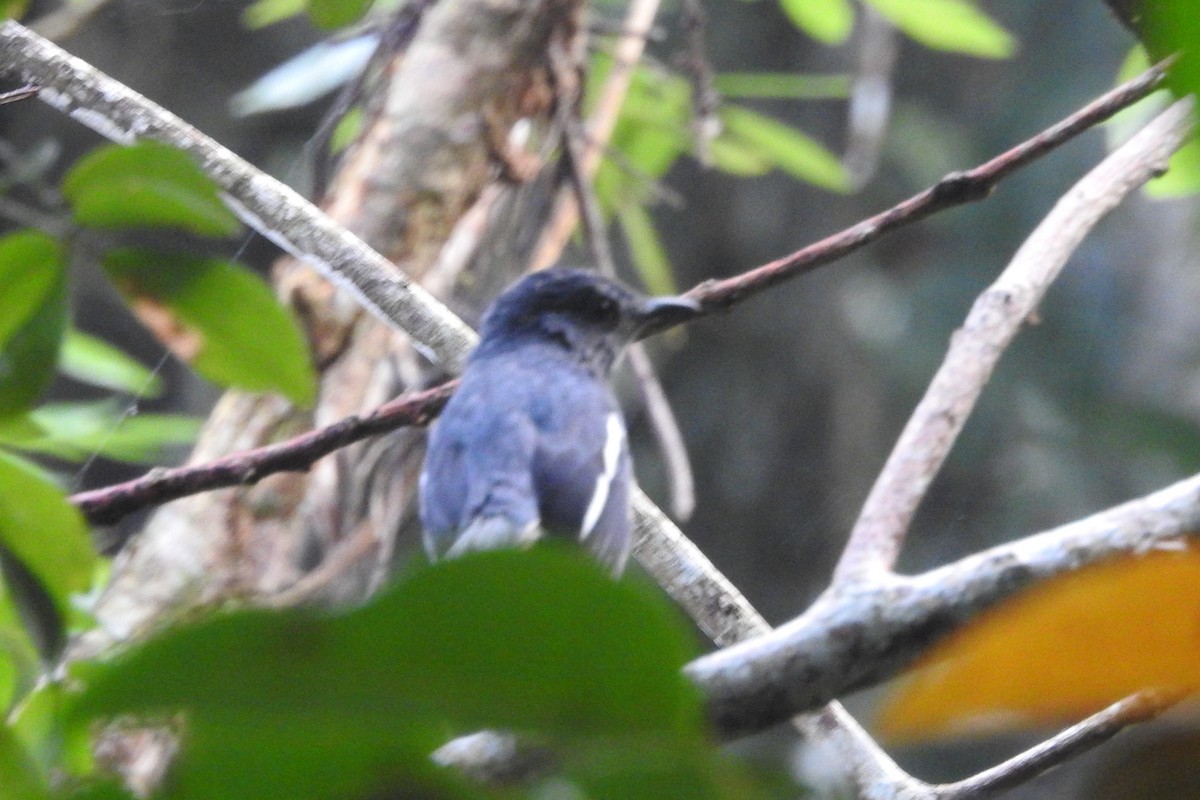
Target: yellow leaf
1059	652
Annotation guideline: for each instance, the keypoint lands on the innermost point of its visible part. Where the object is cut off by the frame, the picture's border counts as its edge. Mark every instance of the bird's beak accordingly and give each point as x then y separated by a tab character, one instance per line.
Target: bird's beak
659	313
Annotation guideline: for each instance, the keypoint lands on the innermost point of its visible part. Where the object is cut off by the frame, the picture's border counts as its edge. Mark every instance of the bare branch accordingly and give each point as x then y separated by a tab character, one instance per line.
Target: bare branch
270	207
1075	740
23	93
860	636
107	505
954	189
628	51
975	349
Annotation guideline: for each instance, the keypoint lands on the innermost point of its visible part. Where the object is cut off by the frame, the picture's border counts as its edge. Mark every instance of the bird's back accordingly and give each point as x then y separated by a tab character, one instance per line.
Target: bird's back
531	438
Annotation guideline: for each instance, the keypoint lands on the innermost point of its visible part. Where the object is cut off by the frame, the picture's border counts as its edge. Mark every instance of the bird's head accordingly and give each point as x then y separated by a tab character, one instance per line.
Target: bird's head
589	315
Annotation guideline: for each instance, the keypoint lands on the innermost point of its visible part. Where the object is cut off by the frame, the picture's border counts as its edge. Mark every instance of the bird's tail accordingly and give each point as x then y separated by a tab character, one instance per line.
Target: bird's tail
494	533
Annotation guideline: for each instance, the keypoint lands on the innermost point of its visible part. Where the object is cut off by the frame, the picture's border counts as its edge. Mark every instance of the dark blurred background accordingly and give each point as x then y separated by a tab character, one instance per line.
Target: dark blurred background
790	403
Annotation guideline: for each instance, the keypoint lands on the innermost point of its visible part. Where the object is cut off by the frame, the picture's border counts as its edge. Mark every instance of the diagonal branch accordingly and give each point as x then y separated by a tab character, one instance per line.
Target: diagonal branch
955	189
863	635
993	322
1075	740
111	503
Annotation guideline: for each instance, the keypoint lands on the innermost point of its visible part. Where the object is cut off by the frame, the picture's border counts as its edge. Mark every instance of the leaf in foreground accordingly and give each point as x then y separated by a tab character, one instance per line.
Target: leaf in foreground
33	316
300	704
42	537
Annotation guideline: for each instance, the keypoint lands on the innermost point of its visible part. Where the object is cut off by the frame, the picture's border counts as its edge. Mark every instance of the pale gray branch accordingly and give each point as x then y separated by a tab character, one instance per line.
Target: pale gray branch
864	634
1075	740
995	319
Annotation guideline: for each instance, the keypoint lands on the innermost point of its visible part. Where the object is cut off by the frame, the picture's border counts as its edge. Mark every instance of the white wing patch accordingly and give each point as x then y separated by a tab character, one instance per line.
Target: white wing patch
614	442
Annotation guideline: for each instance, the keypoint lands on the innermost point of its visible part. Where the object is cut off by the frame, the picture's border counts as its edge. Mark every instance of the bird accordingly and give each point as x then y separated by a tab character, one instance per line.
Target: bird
533	443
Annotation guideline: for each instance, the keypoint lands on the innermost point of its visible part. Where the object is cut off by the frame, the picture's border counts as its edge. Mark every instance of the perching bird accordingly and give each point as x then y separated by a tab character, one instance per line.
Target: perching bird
533	441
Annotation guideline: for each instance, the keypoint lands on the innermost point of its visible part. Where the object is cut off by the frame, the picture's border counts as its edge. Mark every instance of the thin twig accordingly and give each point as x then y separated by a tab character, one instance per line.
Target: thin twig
107	505
955	189
681	483
705	99
23	93
626	54
1075	740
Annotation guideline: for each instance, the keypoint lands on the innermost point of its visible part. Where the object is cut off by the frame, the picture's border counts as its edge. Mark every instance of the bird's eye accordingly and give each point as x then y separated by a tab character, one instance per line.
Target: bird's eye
605	309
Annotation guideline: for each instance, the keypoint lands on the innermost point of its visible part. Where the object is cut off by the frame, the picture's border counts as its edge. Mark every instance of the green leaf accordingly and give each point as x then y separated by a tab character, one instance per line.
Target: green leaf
1172	27
786	147
19	776
39	724
782	85
647	249
146	185
268	715
78	430
954	25
420	651
14	9
219	317
346	130
329	14
42	534
30	263
262	13
738	157
828	21
33	316
93	361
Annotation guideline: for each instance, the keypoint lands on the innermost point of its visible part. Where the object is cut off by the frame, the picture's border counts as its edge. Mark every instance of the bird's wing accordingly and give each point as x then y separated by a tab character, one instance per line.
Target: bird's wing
581	469
477	467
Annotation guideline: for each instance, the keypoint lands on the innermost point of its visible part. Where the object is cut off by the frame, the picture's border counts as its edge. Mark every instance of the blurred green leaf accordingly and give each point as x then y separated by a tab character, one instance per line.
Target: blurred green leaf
782	85
955	25
13	8
219	317
1172	27
78	430
346	130
310	758
329	14
262	13
33	316
738	157
39	723
43	534
30	263
828	21
19	776
649	255
146	185
420	651
20	664
272	713
786	147
94	361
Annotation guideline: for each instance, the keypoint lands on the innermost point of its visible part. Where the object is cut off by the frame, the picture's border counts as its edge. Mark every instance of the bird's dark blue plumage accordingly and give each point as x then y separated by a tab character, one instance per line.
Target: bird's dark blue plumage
533	441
